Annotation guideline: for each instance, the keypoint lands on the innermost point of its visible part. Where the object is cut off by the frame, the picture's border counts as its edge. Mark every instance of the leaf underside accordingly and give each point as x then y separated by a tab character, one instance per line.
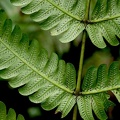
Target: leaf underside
47	81
106	23
11	113
65	18
50	81
95	87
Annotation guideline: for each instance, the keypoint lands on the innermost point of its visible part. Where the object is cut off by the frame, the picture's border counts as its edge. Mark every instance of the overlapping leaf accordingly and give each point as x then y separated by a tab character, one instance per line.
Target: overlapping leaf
11	113
50	81
47	81
62	17
95	89
105	23
67	18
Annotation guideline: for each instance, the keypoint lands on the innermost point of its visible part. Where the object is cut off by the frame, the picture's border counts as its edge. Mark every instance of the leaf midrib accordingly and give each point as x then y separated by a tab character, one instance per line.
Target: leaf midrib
77	18
35	70
95	91
64	11
104	19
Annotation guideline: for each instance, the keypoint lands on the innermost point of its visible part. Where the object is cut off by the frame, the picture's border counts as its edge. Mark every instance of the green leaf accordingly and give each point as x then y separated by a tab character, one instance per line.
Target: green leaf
100	80
11	113
50	81
105	23
95	87
20	117
2	111
66	18
98	107
62	17
28	67
85	107
67	104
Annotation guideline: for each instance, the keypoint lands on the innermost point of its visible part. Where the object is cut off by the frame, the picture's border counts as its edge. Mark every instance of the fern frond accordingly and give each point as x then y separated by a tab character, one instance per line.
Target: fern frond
105	23
28	67
95	87
66	18
62	17
11	113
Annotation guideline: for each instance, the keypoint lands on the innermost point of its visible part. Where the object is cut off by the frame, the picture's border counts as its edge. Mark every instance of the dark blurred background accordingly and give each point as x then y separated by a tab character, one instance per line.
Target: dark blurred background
70	52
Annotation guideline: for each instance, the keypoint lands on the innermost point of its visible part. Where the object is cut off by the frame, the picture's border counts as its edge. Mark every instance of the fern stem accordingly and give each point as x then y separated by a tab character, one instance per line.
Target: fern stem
79	73
87	10
81	60
81	63
82	51
75	113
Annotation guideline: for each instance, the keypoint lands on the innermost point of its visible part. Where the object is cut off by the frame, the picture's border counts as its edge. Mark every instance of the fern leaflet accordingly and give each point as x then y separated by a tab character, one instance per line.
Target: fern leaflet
11	113
105	23
62	17
95	87
27	66
66	18
51	82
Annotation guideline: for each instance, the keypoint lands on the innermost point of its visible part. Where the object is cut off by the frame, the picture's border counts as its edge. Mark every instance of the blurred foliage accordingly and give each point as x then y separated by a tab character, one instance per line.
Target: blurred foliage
34	112
52	44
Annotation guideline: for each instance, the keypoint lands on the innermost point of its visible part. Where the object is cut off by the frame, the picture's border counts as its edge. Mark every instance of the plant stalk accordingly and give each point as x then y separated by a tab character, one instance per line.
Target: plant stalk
81	63
82	51
87	10
75	113
79	79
